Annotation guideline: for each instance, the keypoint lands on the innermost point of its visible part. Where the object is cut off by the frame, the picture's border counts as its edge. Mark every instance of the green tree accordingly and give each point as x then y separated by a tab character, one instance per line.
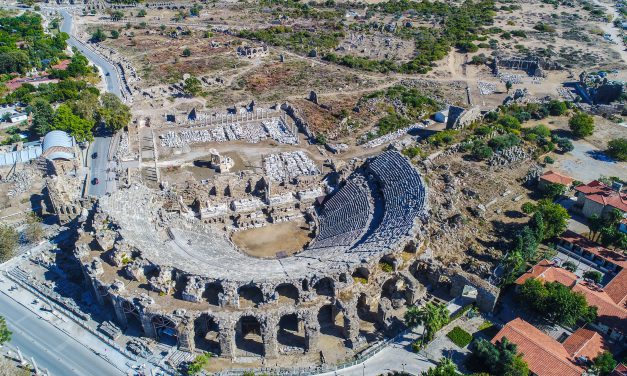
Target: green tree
115	34
98	36
13	61
115	114
187	52
198	364
508	86
501	358
5	333
141	13
8	242
192	87
570	266
581	124
557	108
65	120
555	218
513	265
431	316
43	116
553	190
617	148
595	224
528	208
446	367
481	151
604	364
86	105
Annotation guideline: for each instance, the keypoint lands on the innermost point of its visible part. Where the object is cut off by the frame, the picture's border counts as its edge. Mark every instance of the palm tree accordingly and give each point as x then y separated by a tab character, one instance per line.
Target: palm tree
432	316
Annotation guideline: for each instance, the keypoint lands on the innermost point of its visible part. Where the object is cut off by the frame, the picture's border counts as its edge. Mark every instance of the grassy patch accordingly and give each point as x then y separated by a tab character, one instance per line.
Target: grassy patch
459	336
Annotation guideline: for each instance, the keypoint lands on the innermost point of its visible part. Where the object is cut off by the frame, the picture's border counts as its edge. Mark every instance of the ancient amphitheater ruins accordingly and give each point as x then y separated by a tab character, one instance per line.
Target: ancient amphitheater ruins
165	262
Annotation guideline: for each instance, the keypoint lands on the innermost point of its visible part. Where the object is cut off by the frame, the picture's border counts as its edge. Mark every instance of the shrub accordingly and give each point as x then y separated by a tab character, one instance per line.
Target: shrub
187	52
443	138
570	266
617	148
460	337
544	28
548	160
593	275
481	151
528	208
388	268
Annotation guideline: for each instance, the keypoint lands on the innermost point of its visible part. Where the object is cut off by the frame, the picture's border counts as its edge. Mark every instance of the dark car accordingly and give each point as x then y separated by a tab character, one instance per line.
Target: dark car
94	156
95	181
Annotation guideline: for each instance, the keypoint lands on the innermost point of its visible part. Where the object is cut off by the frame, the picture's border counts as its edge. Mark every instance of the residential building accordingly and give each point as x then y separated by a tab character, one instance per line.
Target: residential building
610	300
598	198
545	356
552	177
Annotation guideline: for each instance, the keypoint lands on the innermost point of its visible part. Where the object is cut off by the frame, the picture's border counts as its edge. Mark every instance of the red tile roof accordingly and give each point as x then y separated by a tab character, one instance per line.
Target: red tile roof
594	248
547	271
620	370
604	195
611	312
556	178
62	65
617	288
544	355
585	342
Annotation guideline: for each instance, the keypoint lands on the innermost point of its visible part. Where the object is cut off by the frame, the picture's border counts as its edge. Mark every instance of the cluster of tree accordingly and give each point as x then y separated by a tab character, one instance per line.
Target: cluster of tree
548	221
79	116
302	41
501	358
78	67
417	106
432	316
8	242
196	366
555	302
37	48
605	230
308	10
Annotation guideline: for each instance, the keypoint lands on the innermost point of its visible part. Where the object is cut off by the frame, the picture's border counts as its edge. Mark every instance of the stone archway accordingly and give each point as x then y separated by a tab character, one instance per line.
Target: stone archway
394	289
287	293
212	293
361	274
291	332
248	338
331	321
165	330
206	334
367	314
133	320
325	287
249	296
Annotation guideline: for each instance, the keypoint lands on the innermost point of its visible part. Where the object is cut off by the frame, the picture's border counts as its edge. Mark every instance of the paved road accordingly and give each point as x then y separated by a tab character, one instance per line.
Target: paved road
111	78
99	167
53	350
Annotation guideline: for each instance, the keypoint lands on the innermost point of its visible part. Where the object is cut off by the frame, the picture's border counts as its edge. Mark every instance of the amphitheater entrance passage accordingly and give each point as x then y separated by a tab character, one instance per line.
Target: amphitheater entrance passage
133	322
395	290
291	331
288	293
248	336
212	293
366	311
165	330
331	321
206	332
325	287
249	296
361	274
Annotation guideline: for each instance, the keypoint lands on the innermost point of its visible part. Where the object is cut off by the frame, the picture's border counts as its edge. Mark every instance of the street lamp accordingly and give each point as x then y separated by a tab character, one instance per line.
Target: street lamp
363	373
403	364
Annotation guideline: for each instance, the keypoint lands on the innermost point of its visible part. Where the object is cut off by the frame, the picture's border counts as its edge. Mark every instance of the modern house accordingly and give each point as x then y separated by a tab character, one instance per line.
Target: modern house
552	177
598	198
609	299
545	356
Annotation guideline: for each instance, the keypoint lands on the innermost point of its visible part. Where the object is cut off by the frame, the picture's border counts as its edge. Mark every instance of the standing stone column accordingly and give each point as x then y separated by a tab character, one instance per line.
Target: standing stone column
149	329
119	311
230	297
312	331
269	337
226	337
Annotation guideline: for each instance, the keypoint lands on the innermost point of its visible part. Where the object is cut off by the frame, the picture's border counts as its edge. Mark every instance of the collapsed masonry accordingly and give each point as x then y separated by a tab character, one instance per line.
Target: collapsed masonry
179	279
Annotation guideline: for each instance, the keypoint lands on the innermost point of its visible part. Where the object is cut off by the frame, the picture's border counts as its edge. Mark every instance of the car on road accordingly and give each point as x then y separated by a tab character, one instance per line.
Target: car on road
95	155
95	181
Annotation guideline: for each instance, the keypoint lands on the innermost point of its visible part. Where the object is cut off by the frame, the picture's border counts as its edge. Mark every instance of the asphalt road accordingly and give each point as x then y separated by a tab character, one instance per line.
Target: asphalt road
53	350
111	78
99	167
